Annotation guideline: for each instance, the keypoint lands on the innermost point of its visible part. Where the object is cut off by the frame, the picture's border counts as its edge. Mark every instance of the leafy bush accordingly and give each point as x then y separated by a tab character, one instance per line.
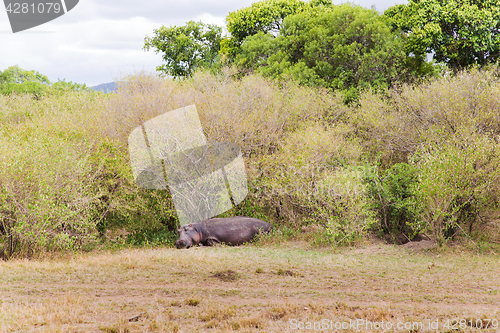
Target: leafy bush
45	202
448	128
15	80
456	181
145	236
393	198
65	177
457	33
61	182
309	180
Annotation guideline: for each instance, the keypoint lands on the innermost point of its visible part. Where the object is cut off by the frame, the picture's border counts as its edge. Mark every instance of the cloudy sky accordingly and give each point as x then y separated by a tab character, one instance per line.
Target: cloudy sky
101	41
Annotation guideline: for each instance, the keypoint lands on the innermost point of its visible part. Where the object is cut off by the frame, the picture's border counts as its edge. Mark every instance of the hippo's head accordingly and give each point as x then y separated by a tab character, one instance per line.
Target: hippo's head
188	236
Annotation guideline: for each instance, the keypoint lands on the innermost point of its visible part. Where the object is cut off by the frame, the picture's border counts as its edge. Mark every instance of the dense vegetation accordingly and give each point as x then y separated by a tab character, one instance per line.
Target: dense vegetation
458	33
415	150
15	80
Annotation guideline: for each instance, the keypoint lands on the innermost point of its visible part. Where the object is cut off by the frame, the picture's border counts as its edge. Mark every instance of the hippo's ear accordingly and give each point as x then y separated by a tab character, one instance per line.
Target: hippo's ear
190	225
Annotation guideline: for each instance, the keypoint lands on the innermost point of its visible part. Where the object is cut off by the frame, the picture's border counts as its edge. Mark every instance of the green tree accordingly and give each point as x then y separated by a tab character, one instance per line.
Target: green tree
185	48
347	48
458	32
17	80
17	75
62	86
265	16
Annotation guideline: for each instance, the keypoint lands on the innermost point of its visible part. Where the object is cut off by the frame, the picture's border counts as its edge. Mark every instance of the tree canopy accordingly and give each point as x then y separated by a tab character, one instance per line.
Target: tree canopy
265	16
17	75
185	48
458	32
342	47
20	81
346	47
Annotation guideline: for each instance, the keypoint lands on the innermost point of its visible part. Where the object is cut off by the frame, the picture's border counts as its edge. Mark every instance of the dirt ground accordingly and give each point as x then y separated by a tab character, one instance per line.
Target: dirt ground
285	288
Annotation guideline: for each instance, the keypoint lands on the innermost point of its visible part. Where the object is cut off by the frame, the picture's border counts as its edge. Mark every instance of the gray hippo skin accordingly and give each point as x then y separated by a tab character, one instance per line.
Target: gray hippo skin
231	231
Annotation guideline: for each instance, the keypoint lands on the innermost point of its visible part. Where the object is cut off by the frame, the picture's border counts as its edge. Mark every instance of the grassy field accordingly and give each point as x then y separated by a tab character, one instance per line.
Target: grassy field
245	289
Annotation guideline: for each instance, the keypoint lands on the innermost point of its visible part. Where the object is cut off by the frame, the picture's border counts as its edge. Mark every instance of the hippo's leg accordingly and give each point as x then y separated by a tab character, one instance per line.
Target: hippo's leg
211	241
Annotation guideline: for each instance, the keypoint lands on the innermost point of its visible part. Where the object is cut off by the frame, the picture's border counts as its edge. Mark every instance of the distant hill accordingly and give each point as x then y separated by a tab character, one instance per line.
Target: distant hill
106	87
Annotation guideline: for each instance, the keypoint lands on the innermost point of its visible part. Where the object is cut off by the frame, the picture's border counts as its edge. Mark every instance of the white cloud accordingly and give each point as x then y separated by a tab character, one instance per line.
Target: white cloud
210	19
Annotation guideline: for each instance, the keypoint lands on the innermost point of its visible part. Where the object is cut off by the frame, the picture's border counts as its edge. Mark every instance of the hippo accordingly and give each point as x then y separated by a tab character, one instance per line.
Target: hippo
230	230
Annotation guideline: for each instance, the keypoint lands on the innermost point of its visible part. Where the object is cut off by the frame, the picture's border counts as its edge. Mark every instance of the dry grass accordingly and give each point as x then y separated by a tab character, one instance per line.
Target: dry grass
175	290
253	112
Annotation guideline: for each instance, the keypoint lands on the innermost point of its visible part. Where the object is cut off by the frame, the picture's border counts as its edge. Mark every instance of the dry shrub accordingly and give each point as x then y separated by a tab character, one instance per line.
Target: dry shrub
262	117
434	112
192	301
253	112
47	175
283	272
449	129
373	314
312	179
277	312
321	145
281	312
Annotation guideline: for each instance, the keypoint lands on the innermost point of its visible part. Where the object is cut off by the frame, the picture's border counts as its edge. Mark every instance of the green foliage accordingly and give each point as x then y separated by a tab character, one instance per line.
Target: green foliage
457	180
18	80
458	33
45	202
185	48
278	235
145	236
449	129
61	86
16	75
263	16
346	48
392	195
36	89
15	80
250	206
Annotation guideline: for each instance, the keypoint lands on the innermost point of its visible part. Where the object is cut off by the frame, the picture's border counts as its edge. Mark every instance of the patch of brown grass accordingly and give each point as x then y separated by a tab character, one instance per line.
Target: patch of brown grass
192	301
96	292
227	276
285	272
217	312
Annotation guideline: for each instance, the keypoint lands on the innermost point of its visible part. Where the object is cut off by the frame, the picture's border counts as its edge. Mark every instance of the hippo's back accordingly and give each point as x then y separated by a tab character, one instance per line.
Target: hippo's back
235	230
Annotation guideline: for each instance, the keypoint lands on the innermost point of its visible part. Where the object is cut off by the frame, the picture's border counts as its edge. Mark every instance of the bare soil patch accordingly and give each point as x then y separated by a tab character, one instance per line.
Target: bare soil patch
420	246
226	276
